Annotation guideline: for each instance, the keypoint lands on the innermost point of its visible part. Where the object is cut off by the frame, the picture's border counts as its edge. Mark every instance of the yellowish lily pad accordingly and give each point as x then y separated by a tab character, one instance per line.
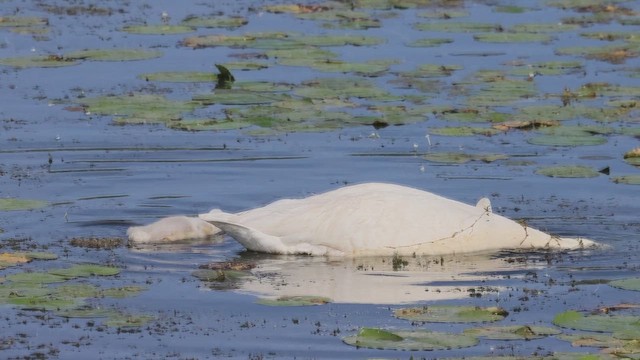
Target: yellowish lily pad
568	171
451	314
416	340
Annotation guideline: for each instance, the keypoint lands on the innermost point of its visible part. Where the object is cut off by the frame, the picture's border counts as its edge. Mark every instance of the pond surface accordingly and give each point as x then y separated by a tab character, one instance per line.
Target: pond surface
106	147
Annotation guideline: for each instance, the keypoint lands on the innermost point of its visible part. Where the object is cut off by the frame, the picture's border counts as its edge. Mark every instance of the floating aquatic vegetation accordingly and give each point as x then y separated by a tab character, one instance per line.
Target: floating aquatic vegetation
246	65
461	158
22	21
512	332
615	54
369	68
512	37
238	97
9	259
231	22
113	54
85	270
96	243
627	179
430	42
12	204
87	312
463	131
547	68
268	40
158	29
295	301
572	136
451	314
568	171
35	278
536	28
416	340
627	284
37	61
138	108
622	326
524	124
343	87
450	26
633	156
443	14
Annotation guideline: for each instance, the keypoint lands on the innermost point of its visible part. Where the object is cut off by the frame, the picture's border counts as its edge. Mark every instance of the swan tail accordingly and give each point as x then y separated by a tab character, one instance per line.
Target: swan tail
251	238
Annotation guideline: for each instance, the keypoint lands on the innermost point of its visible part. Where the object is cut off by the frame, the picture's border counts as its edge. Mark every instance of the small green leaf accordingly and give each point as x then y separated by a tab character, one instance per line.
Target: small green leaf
21	204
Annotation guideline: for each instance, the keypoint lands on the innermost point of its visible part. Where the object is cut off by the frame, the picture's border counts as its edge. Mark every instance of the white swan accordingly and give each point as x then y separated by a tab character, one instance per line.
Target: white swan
373	219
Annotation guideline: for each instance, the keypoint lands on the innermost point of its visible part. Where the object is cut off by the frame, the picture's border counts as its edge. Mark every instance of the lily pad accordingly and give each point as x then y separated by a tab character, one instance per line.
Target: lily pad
627	179
35	255
46	302
12	204
416	340
158	29
512	332
627	284
141	107
35	278
461	158
22	21
568	171
451	314
37	61
563	140
622	326
215	22
122	292
463	131
430	42
88	312
86	270
516	37
114	54
295	301
456	27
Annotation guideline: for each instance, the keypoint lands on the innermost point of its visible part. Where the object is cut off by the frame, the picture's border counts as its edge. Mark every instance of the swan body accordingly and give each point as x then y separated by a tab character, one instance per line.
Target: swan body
379	219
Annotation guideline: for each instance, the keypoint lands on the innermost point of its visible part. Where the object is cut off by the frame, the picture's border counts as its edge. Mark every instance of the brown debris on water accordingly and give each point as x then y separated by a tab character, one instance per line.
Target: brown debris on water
96	243
229	265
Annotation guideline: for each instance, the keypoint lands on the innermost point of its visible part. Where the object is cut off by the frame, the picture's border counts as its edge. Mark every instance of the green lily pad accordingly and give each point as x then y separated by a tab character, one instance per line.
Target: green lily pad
240	41
340	40
46	302
37	61
180	76
430	42
13	204
512	332
295	301
568	171
142	107
415	340
237	97
627	284
461	158
463	131
456	27
22	21
215	22
85	270
451	314
515	37
563	140
158	29
544	28
627	179
76	290
19	290
35	255
35	278
615	54
114	54
622	326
